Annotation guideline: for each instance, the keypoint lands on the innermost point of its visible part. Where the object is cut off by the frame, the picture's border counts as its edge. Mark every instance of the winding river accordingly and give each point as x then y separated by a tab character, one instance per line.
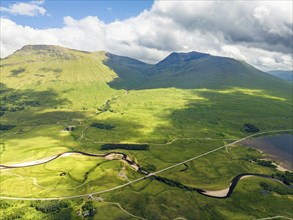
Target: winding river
108	156
225	193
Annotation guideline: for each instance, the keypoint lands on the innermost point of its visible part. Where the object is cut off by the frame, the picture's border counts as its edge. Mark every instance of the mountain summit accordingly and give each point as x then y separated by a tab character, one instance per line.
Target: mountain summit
174	58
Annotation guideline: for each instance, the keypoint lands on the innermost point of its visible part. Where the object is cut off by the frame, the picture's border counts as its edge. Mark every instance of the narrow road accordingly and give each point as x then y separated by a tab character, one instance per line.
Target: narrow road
150	174
168	143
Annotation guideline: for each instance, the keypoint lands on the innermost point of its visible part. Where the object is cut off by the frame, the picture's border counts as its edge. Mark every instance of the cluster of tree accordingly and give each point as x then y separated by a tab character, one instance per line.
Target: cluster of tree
277	189
105	107
6	127
64	214
69	128
174	183
4	205
286	177
88	209
251	128
49	206
4	109
53	209
102	126
19	214
266	163
125	146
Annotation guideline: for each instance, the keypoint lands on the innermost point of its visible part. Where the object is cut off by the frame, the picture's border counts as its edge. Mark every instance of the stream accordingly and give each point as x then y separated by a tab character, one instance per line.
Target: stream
225	193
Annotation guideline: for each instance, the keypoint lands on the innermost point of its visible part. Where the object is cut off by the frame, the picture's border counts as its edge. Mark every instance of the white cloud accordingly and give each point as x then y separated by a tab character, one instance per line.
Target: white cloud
32	8
258	32
261	12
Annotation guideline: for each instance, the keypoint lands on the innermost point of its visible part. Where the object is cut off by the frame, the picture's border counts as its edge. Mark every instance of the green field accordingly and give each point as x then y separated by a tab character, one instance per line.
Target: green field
180	111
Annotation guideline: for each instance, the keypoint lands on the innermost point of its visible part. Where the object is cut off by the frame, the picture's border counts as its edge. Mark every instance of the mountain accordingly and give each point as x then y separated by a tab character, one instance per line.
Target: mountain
194	70
177	58
283	74
181	70
197	70
79	77
96	75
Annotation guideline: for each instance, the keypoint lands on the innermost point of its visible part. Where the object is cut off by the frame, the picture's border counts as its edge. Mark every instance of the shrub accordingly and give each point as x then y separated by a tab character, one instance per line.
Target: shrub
49	206
266	163
88	209
251	128
6	127
286	177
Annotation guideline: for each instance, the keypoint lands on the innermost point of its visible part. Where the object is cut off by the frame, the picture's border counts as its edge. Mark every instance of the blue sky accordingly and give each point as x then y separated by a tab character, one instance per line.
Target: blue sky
107	11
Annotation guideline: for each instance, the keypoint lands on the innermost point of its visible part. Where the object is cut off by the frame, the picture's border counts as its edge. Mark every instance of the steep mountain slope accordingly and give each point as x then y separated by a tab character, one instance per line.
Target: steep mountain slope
79	77
283	74
130	72
197	70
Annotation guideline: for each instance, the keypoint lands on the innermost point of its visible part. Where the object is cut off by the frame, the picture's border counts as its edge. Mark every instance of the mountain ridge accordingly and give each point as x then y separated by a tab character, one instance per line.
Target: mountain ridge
282	74
178	69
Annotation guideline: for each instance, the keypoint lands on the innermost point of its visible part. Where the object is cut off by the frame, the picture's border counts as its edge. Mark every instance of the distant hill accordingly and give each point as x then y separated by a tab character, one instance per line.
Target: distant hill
191	70
283	74
102	73
197	70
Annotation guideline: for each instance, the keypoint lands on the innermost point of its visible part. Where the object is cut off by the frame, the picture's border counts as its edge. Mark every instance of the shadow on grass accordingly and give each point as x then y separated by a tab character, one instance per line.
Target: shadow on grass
224	114
16	72
130	72
28	109
24	99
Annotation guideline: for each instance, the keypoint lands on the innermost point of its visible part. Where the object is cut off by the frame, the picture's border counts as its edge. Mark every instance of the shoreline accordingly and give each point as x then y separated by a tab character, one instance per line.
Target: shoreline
273	150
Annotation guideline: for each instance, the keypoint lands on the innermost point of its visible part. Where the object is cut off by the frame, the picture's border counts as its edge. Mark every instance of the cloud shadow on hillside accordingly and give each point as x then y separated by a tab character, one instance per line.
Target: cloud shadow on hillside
224	114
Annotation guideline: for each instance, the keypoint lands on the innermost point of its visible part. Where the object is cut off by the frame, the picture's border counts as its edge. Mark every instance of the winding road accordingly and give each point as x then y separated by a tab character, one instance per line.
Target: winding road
130	182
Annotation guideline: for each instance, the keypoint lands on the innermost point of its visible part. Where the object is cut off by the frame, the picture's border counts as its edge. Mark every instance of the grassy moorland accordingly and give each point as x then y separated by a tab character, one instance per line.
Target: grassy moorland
55	100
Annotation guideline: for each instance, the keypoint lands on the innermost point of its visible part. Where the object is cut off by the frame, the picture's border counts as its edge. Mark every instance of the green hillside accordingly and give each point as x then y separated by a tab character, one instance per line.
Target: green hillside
183	95
197	70
55	100
74	75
